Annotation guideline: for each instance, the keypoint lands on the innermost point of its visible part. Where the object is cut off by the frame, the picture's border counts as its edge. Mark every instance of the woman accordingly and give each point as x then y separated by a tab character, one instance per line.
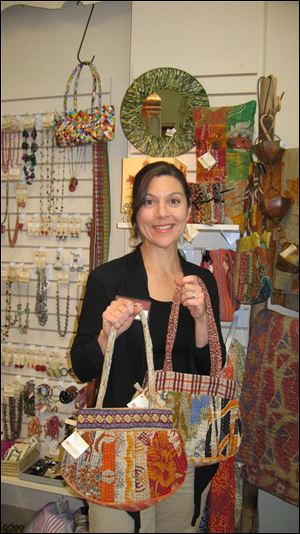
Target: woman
160	211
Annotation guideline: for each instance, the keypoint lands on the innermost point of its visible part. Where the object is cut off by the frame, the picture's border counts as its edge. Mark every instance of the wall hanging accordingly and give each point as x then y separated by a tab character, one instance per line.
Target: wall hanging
157	111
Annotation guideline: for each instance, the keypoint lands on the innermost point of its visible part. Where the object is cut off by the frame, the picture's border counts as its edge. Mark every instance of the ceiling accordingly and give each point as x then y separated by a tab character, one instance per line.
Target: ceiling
44	5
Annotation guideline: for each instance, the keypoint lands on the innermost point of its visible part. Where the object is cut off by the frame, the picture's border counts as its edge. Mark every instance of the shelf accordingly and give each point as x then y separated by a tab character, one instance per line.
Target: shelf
60	490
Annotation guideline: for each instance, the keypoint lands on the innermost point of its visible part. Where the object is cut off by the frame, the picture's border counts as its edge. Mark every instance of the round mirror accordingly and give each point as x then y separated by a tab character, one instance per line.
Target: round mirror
157	112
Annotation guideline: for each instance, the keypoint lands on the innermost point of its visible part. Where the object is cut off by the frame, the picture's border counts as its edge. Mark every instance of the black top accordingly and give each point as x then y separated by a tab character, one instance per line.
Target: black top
126	276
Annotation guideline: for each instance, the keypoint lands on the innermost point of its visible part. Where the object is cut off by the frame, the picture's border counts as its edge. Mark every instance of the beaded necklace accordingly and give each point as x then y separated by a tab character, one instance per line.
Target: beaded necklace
15	414
50	171
23	328
9	152
63	332
7	314
29	159
41	297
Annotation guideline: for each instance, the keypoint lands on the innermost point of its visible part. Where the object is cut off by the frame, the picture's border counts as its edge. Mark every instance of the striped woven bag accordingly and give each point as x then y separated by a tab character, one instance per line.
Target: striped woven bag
135	456
205	408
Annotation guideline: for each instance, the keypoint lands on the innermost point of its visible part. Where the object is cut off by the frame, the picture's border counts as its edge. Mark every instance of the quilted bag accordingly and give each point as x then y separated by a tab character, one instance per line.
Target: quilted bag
252	272
136	457
205	408
77	127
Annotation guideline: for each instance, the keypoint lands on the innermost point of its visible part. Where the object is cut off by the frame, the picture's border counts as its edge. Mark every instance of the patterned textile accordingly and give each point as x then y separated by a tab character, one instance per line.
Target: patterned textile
225	497
205	408
116	418
100	231
269	406
223	266
207	203
135	456
130	470
286	285
221	516
227	133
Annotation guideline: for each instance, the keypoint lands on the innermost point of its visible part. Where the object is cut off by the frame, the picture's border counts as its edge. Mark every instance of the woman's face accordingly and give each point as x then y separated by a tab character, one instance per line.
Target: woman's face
163	216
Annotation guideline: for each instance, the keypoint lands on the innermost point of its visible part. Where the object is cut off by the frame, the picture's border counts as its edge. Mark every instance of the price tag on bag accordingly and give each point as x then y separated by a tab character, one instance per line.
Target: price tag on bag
75	445
140	401
144	304
207	161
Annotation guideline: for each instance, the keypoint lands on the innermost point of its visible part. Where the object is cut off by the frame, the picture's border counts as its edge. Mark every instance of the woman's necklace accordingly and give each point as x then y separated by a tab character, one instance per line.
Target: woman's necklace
29	159
61	332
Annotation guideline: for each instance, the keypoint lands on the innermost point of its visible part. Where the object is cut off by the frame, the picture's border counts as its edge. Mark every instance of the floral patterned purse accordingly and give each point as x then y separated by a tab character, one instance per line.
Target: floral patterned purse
77	127
135	456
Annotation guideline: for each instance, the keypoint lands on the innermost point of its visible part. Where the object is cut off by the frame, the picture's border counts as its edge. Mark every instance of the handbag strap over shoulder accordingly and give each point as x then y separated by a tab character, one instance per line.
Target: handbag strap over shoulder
108	360
213	335
74	76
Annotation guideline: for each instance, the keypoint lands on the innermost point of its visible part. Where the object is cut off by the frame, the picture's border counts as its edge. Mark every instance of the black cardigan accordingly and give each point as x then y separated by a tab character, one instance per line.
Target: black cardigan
126	276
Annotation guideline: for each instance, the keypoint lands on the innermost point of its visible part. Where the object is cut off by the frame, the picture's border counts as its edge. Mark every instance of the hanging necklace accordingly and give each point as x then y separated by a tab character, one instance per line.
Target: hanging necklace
23	328
75	163
9	151
13	239
12	412
40	309
7	314
50	172
15	415
6	205
61	332
29	159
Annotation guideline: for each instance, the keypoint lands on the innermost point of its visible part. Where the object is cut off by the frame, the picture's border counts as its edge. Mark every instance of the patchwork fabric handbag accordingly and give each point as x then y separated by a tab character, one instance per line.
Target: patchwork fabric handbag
205	408
77	127
252	273
135	456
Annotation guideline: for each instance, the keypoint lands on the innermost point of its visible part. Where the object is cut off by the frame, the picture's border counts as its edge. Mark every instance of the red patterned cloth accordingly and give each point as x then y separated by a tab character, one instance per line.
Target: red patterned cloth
221	514
270	406
100	231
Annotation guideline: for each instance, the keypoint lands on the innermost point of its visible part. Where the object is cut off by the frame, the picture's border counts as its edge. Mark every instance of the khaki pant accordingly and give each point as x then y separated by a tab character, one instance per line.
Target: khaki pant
173	514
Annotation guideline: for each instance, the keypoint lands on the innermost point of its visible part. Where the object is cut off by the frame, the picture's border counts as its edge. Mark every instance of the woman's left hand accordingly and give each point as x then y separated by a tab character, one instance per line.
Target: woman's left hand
192	296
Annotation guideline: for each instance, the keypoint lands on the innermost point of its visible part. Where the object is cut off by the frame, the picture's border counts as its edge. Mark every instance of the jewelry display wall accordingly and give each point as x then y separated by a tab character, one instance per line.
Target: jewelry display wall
46	207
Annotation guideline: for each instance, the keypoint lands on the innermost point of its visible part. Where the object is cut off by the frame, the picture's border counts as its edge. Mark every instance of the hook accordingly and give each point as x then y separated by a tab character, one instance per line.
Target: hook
85	62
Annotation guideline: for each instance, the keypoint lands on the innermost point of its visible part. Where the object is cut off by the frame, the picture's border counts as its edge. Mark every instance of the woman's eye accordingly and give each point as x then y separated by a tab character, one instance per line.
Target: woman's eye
175	201
148	202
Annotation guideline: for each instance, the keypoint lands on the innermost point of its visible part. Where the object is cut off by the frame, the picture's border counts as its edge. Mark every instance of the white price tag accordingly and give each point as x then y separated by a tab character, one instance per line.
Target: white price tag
207	161
140	401
75	445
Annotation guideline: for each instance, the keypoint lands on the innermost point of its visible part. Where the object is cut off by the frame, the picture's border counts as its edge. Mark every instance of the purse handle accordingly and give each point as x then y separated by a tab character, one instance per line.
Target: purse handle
108	360
75	75
213	335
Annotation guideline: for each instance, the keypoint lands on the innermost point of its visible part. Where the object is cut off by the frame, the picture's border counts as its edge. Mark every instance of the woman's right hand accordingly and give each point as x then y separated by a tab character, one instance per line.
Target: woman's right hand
120	314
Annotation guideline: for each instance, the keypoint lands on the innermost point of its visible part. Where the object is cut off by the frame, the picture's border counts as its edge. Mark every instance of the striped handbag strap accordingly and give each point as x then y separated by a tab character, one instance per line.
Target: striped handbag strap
213	335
